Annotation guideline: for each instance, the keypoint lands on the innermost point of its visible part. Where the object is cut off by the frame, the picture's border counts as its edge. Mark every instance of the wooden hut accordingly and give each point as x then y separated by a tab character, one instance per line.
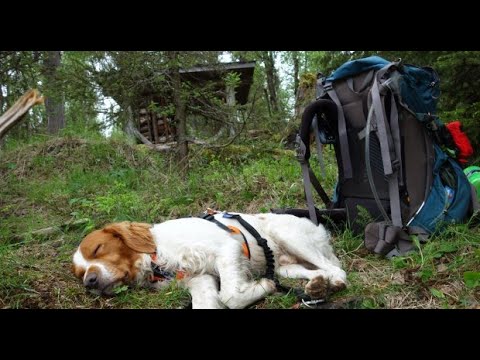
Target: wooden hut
160	128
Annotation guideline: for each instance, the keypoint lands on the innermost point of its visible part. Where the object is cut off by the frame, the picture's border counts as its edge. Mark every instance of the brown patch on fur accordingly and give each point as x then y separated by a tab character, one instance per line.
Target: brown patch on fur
337	286
137	236
317	288
286	259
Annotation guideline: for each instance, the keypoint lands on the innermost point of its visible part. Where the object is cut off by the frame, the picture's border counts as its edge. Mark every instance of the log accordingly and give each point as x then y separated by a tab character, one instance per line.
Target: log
131	130
52	230
15	113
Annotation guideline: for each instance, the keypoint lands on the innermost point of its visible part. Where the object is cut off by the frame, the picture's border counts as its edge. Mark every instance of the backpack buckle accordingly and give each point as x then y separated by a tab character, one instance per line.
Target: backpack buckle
300	150
327	86
395	164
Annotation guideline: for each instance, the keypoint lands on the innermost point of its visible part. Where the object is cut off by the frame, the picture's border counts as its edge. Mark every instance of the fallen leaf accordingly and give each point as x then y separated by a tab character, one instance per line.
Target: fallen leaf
442	268
398	278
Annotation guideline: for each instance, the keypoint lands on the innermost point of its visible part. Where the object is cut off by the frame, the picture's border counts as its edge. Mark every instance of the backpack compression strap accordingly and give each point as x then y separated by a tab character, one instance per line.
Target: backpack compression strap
342	132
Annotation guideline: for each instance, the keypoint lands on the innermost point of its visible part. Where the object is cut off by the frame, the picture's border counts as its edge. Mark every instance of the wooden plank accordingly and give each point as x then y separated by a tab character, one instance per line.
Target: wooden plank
155	127
168	128
150	133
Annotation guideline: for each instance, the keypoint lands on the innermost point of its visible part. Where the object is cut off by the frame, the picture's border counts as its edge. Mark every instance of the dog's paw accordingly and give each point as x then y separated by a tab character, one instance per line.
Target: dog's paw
336	286
317	288
268	285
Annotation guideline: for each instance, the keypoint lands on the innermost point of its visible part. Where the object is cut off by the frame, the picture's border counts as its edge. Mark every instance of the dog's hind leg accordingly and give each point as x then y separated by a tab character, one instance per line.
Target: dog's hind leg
323	275
237	290
297	271
204	292
306	243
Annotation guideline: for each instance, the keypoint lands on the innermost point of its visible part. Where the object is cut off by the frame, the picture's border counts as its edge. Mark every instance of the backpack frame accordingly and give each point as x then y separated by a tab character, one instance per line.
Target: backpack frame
380	118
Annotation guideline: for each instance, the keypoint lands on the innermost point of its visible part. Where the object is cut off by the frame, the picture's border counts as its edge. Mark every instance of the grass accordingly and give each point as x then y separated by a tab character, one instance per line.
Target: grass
50	182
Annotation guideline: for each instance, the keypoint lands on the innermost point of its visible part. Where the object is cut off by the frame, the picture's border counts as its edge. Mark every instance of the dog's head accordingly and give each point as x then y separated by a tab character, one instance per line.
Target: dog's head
111	256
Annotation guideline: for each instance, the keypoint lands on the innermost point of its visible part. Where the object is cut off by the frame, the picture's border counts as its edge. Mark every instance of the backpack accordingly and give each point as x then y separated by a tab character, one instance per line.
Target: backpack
390	148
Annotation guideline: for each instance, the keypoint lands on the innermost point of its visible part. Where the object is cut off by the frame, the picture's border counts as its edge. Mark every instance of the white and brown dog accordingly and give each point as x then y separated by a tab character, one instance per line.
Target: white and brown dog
211	262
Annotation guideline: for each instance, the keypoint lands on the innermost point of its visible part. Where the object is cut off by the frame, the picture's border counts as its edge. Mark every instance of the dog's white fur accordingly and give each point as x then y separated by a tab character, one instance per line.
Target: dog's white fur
206	253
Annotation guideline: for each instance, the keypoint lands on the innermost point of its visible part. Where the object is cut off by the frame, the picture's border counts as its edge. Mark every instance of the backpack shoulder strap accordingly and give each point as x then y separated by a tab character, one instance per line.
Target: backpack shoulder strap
389	149
301	157
321	106
316	131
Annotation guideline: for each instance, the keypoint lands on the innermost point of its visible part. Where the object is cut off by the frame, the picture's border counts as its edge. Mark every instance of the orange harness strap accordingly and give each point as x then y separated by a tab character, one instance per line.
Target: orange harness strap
236	231
163	275
233	230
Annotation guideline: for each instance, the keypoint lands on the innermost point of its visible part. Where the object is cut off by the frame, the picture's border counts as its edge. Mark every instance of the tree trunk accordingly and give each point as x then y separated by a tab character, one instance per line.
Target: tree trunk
268	102
180	116
54	102
272	81
296	70
1	99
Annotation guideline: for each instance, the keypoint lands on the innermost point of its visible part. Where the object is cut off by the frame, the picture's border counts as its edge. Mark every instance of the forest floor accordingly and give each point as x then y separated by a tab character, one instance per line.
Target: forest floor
88	182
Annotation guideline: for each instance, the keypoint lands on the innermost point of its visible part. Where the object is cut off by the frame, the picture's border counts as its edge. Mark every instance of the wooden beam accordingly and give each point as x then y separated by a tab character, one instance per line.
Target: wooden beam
15	113
155	127
150	132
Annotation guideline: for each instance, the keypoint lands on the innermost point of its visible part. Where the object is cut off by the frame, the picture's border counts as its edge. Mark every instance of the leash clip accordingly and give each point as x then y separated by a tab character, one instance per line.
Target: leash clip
311	303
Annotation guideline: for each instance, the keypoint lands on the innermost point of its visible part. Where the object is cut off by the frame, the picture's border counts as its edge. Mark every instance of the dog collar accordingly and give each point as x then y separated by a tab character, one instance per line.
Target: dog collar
160	274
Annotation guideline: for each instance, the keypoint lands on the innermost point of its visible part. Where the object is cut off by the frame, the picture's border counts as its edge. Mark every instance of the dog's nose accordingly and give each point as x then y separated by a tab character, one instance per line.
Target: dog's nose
91	280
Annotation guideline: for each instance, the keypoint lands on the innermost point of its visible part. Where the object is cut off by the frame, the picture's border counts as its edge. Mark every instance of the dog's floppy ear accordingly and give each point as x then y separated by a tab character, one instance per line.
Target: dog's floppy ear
136	236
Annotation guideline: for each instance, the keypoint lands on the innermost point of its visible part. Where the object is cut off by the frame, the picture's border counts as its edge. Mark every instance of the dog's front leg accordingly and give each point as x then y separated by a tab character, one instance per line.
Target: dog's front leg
204	292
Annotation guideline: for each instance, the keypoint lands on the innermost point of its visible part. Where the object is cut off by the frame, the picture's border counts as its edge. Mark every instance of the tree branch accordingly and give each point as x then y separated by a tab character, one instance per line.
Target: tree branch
15	113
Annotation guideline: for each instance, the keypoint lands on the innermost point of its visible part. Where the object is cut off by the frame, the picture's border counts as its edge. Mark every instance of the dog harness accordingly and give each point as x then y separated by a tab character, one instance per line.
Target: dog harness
269	274
232	230
160	274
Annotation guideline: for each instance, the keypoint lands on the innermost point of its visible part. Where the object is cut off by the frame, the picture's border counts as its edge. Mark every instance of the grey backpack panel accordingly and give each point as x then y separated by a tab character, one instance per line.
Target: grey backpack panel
418	161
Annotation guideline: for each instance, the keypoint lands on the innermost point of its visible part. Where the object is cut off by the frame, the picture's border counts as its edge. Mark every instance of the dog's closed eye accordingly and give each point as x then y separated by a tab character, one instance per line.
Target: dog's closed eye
96	250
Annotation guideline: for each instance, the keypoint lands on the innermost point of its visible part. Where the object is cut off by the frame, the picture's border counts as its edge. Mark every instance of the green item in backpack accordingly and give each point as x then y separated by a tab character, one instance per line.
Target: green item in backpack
473	175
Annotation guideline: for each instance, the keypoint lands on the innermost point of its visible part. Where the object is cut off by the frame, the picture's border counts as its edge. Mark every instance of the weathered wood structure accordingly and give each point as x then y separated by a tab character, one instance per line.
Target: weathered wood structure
17	110
160	128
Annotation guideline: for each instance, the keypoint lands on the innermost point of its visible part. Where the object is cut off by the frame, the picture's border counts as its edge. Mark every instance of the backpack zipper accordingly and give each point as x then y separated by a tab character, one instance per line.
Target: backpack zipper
448	200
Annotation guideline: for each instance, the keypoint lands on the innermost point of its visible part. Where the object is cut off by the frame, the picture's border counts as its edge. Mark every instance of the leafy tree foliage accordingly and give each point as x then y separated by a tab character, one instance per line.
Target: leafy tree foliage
459	73
88	77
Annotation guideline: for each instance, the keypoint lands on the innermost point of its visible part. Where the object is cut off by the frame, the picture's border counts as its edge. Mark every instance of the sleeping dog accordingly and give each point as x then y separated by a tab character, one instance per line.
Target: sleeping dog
217	267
